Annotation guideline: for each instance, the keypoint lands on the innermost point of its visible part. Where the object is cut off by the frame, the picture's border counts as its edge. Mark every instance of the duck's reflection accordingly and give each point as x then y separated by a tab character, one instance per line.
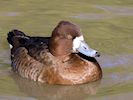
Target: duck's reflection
55	92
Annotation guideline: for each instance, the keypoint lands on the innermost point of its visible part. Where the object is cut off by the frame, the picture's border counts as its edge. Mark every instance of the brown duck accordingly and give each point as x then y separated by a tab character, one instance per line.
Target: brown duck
63	58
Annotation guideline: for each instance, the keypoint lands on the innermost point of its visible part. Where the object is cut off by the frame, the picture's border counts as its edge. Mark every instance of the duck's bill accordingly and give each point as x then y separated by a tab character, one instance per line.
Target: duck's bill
86	50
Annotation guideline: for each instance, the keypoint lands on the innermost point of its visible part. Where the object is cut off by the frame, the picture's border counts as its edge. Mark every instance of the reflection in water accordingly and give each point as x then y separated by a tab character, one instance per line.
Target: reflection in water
55	92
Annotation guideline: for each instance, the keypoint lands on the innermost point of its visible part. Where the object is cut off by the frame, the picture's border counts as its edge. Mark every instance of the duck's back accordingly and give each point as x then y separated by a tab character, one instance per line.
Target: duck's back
29	55
34	45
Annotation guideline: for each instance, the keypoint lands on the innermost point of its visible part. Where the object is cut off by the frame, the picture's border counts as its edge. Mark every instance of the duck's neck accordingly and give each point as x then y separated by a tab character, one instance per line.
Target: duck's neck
60	46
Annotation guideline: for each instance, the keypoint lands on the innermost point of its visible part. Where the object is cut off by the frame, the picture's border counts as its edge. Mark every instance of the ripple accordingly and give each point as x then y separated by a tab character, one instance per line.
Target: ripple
16	98
116	9
10	14
117	60
109	12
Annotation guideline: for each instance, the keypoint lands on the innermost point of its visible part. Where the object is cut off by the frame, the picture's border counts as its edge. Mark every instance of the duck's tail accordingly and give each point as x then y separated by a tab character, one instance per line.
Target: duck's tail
16	38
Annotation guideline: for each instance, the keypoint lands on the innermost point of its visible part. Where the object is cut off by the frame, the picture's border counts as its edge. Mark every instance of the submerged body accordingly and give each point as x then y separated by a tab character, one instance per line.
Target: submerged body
54	59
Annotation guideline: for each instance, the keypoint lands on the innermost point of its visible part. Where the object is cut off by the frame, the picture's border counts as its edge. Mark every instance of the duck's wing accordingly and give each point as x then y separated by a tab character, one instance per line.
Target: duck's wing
37	47
25	65
39	50
29	55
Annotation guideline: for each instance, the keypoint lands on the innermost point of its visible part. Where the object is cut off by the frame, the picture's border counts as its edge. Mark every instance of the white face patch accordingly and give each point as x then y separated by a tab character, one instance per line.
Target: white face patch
76	42
79	45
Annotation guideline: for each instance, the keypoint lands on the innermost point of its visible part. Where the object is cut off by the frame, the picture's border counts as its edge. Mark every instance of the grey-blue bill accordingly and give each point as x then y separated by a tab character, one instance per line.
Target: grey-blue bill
86	50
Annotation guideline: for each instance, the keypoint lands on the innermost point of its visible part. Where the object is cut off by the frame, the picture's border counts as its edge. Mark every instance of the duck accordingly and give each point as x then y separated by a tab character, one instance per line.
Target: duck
63	58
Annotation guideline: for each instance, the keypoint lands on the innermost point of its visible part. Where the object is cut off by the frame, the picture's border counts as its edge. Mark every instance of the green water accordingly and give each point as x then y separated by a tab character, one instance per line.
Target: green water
107	26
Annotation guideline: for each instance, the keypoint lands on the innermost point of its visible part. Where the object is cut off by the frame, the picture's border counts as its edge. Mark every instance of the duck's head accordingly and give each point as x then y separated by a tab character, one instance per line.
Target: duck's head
67	38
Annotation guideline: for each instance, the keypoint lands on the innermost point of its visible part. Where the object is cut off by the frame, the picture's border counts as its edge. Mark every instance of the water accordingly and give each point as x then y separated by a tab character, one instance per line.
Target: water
107	27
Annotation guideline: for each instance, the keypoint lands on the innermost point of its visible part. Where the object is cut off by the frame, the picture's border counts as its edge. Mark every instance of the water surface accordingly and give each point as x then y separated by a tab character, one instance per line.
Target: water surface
107	27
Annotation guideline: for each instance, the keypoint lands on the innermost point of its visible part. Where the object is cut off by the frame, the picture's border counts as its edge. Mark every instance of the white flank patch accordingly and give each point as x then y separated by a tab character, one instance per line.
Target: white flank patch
76	42
10	46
